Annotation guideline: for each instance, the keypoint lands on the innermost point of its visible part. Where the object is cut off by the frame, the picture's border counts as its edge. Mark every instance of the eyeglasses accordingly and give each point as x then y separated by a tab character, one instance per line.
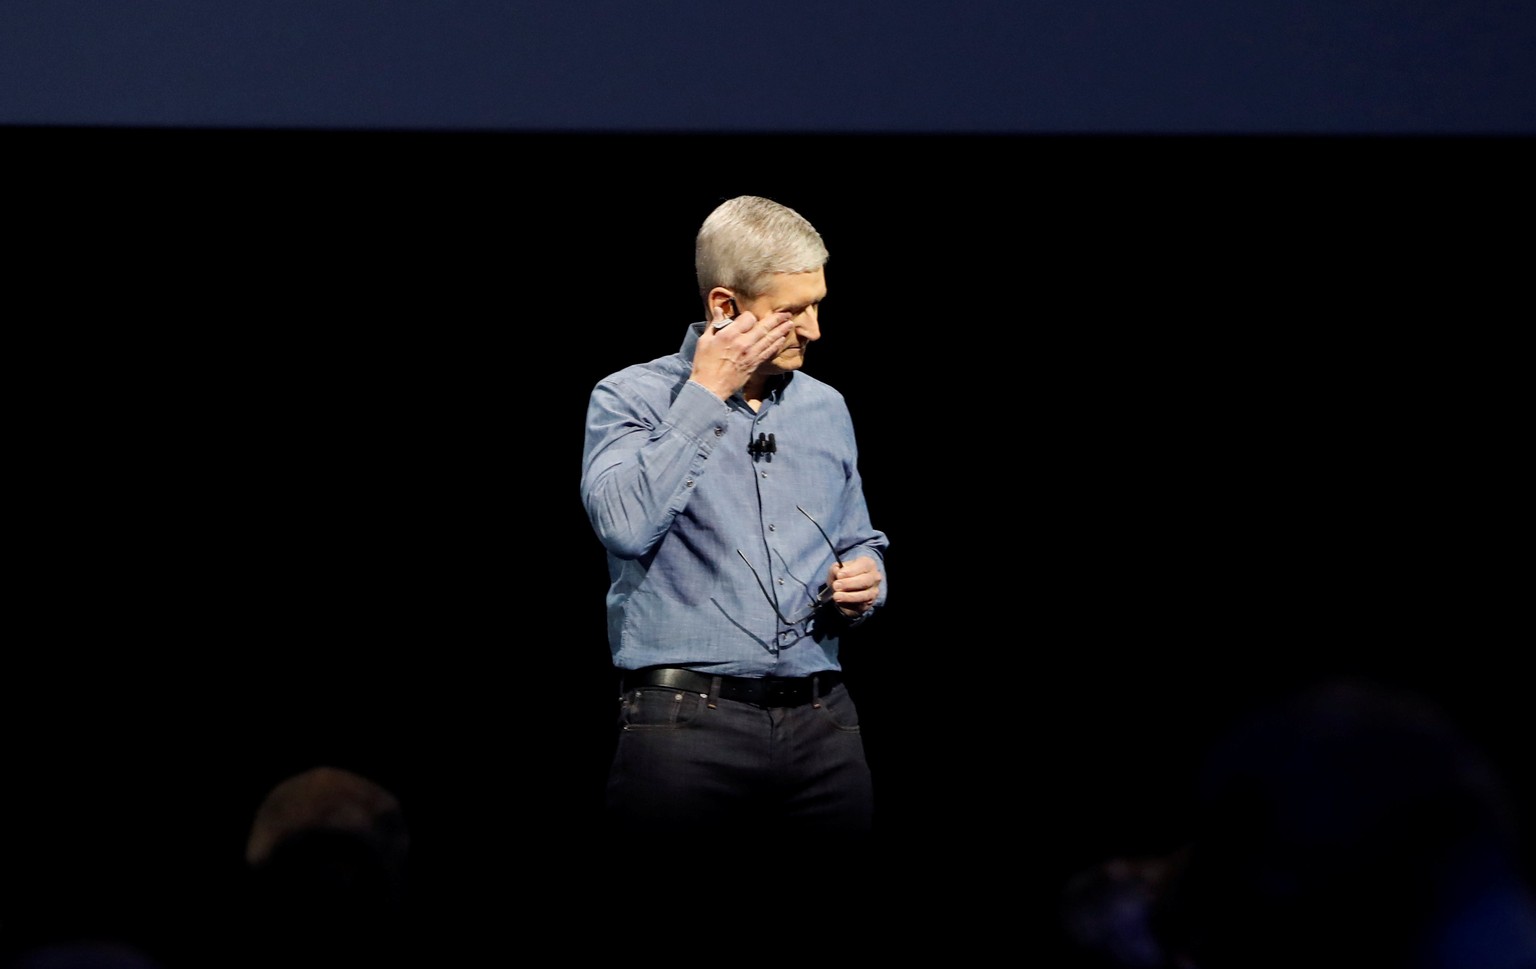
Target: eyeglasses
822	597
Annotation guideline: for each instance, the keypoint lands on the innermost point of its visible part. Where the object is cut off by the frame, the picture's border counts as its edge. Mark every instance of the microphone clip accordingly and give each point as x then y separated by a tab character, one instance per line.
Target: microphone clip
764	445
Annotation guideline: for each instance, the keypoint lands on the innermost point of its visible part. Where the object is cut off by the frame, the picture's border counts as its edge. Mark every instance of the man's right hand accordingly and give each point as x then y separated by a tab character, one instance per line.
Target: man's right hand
725	359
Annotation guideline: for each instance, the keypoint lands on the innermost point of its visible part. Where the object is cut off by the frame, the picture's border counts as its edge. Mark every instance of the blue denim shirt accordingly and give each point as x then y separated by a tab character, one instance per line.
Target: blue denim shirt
674	495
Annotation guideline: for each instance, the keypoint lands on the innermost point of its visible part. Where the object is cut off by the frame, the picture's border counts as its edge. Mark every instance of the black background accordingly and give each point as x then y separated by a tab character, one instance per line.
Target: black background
1160	428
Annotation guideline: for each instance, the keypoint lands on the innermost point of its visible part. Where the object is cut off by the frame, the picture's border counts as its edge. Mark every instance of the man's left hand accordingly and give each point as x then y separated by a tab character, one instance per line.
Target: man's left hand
855	586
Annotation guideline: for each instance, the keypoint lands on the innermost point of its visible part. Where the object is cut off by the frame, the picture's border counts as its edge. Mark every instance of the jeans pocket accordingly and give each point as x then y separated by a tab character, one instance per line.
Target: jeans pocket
838	707
658	708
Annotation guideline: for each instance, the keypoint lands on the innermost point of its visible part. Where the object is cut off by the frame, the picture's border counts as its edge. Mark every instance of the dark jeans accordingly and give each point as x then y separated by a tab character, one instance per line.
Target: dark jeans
701	767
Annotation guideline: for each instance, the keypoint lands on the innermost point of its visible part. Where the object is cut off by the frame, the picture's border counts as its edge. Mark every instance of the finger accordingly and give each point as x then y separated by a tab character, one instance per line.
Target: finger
865	588
858	566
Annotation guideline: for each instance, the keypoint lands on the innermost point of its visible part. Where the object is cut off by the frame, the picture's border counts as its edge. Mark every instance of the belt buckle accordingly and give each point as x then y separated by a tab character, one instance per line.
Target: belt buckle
781	693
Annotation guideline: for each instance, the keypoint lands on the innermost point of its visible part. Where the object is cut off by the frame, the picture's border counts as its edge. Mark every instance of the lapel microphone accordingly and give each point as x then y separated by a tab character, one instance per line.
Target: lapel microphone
764	445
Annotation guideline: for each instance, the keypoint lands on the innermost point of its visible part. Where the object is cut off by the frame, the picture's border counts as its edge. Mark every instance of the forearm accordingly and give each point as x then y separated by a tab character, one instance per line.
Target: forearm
639	470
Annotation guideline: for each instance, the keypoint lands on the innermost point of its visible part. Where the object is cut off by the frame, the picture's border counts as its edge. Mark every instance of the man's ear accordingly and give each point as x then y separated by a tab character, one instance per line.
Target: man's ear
722	304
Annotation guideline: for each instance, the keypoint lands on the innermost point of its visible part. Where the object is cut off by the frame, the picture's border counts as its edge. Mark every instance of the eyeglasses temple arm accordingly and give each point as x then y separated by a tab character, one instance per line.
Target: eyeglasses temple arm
823	531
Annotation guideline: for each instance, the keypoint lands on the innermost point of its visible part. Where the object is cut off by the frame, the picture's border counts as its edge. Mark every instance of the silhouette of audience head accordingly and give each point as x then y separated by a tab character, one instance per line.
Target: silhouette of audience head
85	955
327	856
1110	913
1352	824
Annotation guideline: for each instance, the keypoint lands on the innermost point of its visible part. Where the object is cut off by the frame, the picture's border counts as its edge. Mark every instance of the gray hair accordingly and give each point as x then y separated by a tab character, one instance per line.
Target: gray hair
747	239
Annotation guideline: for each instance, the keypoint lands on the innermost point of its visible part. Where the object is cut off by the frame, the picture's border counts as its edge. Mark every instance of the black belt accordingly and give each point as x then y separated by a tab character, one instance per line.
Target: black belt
767	691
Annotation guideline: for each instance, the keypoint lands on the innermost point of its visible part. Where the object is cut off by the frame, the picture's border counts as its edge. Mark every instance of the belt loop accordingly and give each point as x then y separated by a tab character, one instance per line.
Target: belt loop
714	692
816	692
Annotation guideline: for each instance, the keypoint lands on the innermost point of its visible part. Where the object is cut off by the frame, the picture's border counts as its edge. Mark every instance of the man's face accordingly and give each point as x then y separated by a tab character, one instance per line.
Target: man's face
799	294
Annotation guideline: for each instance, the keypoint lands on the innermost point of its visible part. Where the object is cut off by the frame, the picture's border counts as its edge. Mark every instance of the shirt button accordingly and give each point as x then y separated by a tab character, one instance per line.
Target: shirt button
765	474
690	482
772	527
719	431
